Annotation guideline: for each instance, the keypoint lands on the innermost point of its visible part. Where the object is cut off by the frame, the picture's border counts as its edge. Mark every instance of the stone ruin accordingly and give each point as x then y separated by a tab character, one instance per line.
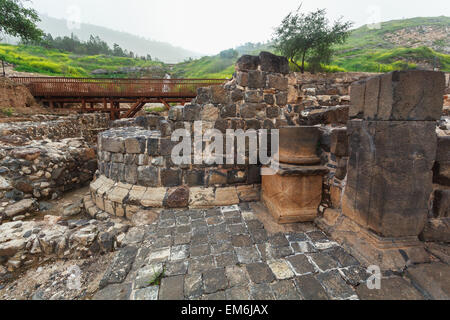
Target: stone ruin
382	175
377	156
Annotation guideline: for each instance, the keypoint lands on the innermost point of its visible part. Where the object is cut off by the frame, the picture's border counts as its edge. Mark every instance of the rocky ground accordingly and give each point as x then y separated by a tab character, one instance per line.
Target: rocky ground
233	253
239	253
229	253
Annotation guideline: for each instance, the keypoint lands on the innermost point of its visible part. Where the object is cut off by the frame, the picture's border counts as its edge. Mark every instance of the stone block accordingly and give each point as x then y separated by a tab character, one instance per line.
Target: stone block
397	154
219	95
442	165
177	198
432	278
166	147
242	78
117	157
339	143
253	96
341	170
209	113
281	99
226	196
249	193
194	178
441	203
148	176
293	198
117	194
170	178
131	174
269	98
252	124
172	288
336	196
437	230
247	62
153	197
203	96
399	96
113	144
236	95
217	177
272	63
277	82
256	79
221	125
249	110
192	112
236	176
153	147
135	195
254	174
176	113
135	145
201	197
228	111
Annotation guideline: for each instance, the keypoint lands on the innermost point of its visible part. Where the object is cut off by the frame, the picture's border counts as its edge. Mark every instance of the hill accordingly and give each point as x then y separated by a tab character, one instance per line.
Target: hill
417	43
162	51
53	62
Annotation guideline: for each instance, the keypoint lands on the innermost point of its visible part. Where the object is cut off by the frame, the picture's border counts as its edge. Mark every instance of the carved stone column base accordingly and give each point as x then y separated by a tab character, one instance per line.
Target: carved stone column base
294	193
368	247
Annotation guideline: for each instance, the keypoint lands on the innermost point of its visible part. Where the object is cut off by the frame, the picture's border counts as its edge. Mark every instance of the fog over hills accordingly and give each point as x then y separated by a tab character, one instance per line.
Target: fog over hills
161	50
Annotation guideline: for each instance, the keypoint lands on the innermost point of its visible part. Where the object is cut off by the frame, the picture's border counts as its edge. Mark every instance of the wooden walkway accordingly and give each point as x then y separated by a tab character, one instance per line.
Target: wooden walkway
110	93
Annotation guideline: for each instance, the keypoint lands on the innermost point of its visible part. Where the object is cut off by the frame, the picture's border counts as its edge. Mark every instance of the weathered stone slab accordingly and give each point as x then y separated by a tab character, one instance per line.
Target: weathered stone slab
310	288
437	230
118	270
335	286
399	96
172	288
398	154
215	280
300	264
442	165
395	288
285	290
114	292
260	273
432	278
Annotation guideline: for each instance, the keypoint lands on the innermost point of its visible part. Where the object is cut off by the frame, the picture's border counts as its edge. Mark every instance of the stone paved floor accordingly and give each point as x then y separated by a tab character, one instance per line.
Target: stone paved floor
228	254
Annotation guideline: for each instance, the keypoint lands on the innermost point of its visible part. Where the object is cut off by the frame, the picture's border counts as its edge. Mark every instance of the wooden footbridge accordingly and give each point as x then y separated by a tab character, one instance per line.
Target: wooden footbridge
106	95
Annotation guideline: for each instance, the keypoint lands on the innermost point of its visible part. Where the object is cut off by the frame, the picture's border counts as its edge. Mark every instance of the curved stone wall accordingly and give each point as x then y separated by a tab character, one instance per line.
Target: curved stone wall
135	166
136	173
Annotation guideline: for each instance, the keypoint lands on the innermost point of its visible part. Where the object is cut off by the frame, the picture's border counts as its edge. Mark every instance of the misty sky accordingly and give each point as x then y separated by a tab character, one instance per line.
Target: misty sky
209	26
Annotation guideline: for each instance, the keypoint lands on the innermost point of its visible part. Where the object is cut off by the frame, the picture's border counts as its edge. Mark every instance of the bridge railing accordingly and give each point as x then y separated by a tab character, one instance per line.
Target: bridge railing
91	87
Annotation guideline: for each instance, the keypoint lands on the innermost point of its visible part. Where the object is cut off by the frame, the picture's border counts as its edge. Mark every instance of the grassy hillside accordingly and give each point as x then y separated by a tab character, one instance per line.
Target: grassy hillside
162	51
367	50
382	50
55	63
214	67
419	43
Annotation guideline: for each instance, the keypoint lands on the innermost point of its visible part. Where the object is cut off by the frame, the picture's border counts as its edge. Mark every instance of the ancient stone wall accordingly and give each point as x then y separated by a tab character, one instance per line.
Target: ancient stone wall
43	159
42	170
24	243
438	225
85	126
13	95
135	167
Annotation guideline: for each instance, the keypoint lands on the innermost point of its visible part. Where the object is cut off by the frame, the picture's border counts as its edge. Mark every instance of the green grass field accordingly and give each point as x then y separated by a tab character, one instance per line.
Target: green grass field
55	63
366	51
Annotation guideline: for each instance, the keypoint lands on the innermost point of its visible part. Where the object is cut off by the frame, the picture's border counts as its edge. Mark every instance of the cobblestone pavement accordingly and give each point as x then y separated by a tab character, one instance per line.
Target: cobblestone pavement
227	254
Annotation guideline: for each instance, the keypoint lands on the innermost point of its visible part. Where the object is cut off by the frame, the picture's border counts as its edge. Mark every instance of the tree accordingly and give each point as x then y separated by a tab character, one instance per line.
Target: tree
309	38
18	21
